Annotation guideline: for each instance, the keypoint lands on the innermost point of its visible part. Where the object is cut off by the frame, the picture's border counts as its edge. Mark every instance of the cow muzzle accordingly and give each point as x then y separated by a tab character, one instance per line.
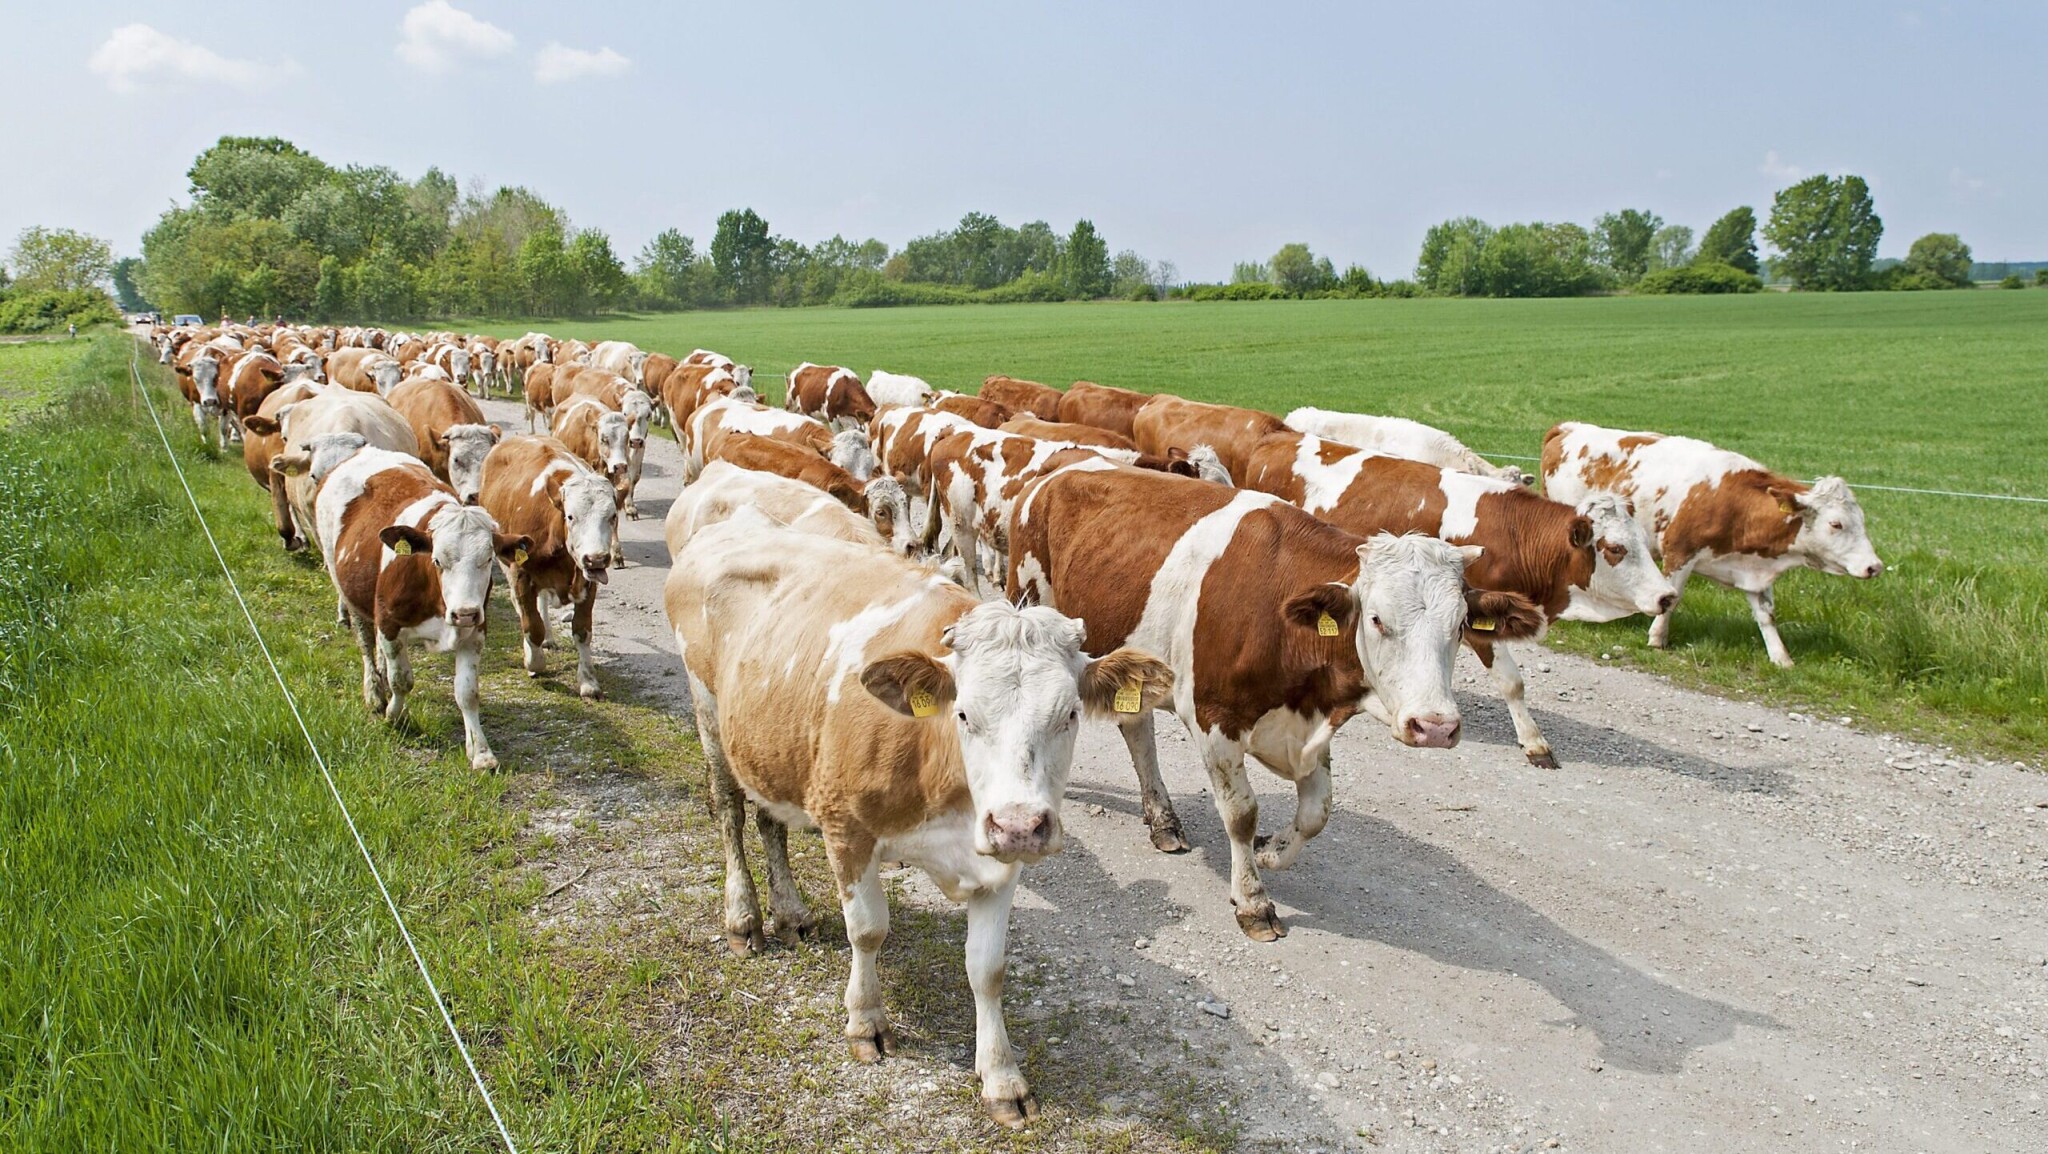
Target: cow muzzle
1431	731
597	567
1871	570
1020	833
467	618
1665	603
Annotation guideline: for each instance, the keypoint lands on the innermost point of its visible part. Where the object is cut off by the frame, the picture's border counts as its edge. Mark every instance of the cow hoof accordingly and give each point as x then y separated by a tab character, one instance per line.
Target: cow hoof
295	544
590	691
485	762
1541	758
1012	1112
791	930
1167	838
743	944
1785	663
1261	925
870	1048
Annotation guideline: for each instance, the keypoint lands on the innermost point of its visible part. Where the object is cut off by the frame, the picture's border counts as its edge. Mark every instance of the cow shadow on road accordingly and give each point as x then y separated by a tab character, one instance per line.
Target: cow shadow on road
1576	742
1418	897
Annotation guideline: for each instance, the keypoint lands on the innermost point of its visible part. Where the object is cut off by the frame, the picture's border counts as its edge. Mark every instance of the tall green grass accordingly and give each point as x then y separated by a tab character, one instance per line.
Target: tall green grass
193	955
1924	390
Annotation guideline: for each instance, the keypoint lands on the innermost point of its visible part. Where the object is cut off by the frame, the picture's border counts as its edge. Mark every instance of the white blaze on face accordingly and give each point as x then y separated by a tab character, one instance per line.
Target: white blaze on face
638	408
206	380
385	374
1832	537
1411	616
851	452
464	548
486	362
1626	579
458	365
468	445
612	436
588	514
1017	708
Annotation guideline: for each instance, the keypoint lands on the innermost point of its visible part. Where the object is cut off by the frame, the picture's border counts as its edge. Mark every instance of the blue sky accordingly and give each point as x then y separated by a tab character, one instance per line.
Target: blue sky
1193	132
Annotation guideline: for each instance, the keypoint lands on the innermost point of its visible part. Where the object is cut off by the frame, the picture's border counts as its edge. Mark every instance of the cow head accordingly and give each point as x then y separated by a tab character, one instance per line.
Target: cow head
1013	689
1832	537
462	541
889	508
636	368
852	452
385	373
458	366
467	446
589	512
638	409
1626	579
612	433
317	457
1209	466
1407	611
206	381
486	363
543	350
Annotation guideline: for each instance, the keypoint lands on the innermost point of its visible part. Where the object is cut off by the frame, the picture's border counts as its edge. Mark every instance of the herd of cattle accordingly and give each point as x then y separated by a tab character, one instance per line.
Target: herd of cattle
910	683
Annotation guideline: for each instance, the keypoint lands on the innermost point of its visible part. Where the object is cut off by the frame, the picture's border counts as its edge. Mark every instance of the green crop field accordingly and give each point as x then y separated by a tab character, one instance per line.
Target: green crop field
1920	390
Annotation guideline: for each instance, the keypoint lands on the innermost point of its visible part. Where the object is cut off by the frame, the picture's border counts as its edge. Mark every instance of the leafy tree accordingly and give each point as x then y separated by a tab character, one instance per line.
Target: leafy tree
126	294
1450	256
1084	262
2012	281
1732	241
549	276
1826	231
250	176
60	260
740	256
1622	241
386	288
1538	260
1298	270
1671	247
1357	282
2041	278
663	268
1130	276
1250	272
601	279
1940	257
332	294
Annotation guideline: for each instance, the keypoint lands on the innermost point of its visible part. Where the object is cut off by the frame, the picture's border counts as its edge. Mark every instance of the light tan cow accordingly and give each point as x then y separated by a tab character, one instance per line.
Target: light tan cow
365	370
259	448
1022	396
453	435
724	488
841	687
726	416
536	488
333	411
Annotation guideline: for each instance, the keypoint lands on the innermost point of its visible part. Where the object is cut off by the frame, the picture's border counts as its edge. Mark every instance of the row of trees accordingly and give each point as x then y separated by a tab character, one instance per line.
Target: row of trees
54	277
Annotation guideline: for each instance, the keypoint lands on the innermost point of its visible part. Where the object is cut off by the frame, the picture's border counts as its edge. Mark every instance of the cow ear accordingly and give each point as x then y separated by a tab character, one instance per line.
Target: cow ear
1790	501
1582	532
912	684
1327	609
512	549
1492	615
497	432
260	425
1128	681
439	439
404	539
296	464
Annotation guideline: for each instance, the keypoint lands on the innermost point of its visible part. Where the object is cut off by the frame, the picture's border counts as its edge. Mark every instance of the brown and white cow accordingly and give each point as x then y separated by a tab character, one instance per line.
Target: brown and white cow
1590	563
332	410
536	488
452	358
843	688
1022	396
1715	513
724	488
365	370
483	360
410	563
903	437
1028	425
621	395
976	476
829	393
728	416
198	371
1400	437
1168	422
1276	626
597	435
742	375
899	389
1103	406
538	386
980	410
878	498
258	448
688	386
453	435
622	357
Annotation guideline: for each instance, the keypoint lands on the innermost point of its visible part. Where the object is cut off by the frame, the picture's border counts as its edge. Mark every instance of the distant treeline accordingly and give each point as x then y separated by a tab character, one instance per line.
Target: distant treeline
272	229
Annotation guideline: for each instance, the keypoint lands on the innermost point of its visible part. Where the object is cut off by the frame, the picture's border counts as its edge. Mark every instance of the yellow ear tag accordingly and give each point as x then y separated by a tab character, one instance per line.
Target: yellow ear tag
1130	697
922	703
1485	624
1787	508
402	547
1326	626
519	555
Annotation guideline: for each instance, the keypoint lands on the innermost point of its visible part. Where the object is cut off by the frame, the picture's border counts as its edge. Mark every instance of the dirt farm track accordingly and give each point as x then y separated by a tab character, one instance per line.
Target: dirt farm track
1718	927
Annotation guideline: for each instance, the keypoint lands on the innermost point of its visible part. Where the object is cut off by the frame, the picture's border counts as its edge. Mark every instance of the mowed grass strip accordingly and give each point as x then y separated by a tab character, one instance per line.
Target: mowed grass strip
195	957
1922	390
32	374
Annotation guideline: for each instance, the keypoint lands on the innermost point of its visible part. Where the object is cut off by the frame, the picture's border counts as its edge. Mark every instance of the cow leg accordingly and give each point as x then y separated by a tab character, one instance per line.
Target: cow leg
866	908
281	508
1763	605
533	623
1660	629
791	917
1311	813
579	627
1004	1093
742	905
375	691
618	550
968	546
1507	678
341	613
1239	808
1160	819
635	461
398	671
469	658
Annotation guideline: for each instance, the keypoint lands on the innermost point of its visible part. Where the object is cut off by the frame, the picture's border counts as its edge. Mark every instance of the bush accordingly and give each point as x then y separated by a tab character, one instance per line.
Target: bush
2041	278
1031	287
1245	291
1900	278
49	310
2012	281
1708	277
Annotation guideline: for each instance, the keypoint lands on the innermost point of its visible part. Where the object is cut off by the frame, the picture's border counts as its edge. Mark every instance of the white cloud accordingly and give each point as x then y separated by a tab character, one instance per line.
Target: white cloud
1965	184
1777	169
135	54
438	36
557	63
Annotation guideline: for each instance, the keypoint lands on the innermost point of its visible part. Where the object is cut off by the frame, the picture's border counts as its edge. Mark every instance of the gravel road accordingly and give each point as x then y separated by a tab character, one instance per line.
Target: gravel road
1718	927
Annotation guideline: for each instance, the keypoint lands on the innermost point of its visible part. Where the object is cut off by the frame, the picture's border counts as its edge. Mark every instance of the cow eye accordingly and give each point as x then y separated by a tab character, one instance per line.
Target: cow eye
1835	525
1378	624
962	715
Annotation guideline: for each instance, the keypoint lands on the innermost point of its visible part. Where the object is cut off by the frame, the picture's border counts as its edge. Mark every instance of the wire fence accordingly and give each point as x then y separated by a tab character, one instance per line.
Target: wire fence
1877	488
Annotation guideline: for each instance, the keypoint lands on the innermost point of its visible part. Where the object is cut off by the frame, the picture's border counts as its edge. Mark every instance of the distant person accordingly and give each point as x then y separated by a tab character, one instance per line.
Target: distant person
71	330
